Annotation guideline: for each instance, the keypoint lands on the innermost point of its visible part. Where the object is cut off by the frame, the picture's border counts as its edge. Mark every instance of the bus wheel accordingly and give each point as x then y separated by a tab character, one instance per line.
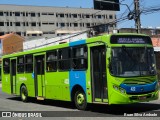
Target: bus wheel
24	93
80	100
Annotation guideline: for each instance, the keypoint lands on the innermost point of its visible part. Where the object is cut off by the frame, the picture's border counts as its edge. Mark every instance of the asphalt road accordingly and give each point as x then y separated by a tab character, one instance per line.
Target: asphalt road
66	110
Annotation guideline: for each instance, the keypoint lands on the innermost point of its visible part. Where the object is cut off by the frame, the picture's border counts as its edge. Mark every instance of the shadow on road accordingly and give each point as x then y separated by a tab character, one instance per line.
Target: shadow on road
97	108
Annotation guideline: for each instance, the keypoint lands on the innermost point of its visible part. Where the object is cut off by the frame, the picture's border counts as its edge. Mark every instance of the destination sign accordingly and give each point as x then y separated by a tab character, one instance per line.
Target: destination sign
128	39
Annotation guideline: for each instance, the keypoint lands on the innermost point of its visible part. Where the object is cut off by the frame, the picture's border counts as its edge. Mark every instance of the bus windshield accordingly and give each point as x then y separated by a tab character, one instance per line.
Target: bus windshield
129	61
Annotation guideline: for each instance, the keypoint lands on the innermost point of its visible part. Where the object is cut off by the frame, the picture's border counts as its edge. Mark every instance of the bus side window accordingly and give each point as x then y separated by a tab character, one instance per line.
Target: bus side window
29	63
6	66
51	61
64	56
20	64
79	58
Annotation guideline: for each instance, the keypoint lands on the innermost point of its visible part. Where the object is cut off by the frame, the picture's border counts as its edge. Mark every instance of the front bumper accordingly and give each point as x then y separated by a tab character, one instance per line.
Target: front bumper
119	98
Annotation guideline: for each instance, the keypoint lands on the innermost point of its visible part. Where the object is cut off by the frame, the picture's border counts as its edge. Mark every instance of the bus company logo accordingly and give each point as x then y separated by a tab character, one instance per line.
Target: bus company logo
22	78
6	114
142	89
133	88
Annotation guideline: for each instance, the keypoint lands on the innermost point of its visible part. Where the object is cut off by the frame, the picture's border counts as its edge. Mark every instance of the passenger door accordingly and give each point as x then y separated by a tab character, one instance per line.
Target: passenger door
13	76
39	76
98	72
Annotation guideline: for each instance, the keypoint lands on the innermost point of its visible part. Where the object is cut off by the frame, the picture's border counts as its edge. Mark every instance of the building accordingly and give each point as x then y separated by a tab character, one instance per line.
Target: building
148	31
10	43
30	21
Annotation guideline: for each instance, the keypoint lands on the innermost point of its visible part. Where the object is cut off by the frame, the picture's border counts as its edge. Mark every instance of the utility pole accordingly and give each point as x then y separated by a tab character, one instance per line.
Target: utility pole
137	16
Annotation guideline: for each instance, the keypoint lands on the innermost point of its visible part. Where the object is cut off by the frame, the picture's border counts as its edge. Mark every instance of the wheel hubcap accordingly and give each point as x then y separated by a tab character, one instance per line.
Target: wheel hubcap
80	98
23	95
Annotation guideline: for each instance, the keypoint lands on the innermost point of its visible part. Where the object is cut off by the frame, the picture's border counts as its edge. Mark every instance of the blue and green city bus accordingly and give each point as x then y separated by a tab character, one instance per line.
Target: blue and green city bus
107	69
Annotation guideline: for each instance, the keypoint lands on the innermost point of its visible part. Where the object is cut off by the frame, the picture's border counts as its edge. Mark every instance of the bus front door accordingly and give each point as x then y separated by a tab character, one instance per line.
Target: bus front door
39	76
98	72
13	76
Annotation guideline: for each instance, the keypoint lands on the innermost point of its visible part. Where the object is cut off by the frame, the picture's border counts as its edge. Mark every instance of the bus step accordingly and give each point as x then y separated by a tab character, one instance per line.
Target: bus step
106	103
40	98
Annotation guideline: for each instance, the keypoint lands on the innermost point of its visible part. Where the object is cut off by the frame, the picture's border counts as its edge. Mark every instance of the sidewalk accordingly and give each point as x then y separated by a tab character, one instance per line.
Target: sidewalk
0	84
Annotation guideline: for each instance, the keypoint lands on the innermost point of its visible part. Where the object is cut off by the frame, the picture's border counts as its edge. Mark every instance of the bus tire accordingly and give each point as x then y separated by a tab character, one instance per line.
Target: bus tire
24	93
80	100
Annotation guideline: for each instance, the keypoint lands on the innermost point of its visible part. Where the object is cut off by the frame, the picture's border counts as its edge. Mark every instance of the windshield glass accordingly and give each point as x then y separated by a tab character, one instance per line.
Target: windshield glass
128	62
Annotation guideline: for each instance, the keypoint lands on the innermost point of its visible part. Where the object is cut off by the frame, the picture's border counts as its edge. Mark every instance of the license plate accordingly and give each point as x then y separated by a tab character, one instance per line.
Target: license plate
142	97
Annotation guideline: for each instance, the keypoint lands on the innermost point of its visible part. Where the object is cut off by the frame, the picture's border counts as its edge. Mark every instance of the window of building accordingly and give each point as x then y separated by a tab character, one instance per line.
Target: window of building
1	33
24	24
38	14
88	24
20	64
10	13
79	58
23	13
87	16
61	15
64	59
45	23
51	61
7	23
1	13
10	23
33	24
62	24
67	15
99	16
50	13
24	33
39	24
34	35
110	17
1	23
6	66
27	14
17	24
17	13
75	24
80	16
51	23
44	13
51	32
29	63
106	16
19	33
33	14
74	15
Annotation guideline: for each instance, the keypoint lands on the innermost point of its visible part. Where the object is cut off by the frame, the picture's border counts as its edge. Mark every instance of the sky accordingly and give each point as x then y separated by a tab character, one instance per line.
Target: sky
149	20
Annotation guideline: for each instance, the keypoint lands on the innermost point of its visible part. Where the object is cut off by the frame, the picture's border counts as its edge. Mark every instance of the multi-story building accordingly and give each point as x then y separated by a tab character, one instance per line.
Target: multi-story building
30	21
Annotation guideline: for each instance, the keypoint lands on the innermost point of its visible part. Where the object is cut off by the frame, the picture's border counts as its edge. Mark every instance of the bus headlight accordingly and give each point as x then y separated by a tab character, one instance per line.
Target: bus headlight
115	87
121	90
